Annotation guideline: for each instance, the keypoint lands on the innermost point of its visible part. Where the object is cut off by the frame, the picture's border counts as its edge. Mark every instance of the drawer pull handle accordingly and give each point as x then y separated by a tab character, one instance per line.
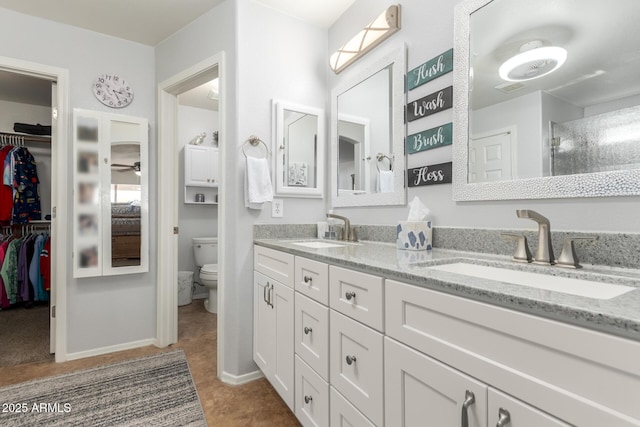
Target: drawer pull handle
351	360
307	279
307	330
308	399
504	417
469	399
350	295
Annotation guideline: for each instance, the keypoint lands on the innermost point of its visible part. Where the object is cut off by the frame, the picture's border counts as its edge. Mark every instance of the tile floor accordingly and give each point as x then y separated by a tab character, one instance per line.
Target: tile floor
253	404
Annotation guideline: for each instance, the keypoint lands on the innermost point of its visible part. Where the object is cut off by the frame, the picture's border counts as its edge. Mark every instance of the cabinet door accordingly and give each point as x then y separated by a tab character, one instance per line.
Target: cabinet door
312	334
200	166
312	396
282	305
355	365
421	391
273	333
264	336
515	413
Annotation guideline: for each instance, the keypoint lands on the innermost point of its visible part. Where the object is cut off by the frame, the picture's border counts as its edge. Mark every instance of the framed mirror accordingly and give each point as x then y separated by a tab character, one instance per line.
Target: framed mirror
111	184
299	147
531	125
368	160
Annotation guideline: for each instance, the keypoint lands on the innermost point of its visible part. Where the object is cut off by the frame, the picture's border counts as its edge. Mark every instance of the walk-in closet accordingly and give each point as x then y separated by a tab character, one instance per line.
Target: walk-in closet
25	218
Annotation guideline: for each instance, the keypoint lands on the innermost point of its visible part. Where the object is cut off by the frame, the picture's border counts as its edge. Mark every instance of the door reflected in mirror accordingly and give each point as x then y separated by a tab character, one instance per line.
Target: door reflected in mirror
300	150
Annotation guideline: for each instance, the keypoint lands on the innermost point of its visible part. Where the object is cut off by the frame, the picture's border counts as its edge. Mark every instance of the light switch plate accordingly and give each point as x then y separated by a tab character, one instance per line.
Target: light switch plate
277	208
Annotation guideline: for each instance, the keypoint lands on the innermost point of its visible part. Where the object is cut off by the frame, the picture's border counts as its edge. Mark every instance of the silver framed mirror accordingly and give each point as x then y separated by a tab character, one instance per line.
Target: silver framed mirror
368	131
570	150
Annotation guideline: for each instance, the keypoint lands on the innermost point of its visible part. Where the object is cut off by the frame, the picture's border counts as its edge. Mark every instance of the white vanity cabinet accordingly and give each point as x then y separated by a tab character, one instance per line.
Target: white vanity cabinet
200	173
542	372
273	321
419	390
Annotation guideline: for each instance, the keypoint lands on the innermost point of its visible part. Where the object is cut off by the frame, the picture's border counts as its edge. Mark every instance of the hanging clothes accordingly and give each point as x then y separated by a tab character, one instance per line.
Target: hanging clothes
4	299
9	271
6	190
26	196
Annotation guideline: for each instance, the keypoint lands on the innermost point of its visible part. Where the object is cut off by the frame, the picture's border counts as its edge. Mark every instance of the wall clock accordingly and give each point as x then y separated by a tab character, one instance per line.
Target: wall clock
112	90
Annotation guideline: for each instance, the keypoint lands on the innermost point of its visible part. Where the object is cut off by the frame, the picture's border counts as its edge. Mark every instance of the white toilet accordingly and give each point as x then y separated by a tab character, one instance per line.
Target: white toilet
205	250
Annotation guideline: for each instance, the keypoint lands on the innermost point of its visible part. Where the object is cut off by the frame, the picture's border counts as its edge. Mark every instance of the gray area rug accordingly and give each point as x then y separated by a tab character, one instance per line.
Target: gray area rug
156	390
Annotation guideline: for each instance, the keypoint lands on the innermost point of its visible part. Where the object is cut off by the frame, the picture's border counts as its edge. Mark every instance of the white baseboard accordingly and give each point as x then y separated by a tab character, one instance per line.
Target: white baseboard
240	379
110	349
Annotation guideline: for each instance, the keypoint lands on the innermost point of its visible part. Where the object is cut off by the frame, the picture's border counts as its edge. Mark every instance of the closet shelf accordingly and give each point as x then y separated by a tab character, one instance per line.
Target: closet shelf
25	137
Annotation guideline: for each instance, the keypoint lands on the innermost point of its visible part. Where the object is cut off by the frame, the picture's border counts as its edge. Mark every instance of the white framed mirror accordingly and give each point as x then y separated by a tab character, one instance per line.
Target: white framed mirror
368	162
111	187
299	140
573	132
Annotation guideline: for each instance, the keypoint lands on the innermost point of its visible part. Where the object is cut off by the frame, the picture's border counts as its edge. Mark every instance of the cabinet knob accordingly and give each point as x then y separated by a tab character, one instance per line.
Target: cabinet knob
307	279
308	399
504	417
350	295
307	330
351	360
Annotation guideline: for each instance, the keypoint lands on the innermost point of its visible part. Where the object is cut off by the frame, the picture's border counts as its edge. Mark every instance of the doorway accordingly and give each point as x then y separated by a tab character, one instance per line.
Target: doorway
55	81
168	200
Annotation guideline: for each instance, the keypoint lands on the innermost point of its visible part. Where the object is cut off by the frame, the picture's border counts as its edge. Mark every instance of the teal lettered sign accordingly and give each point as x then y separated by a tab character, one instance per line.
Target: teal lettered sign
433	68
430	138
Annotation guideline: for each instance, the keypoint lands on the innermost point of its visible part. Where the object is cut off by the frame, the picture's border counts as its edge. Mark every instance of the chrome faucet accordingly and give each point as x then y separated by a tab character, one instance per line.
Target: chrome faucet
349	233
544	252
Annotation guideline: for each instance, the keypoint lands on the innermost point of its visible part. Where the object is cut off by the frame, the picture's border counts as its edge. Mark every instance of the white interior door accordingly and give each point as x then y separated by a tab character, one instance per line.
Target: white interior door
52	296
490	157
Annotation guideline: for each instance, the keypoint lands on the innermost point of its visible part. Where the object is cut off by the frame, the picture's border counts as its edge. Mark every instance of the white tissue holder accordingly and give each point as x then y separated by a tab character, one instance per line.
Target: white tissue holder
414	235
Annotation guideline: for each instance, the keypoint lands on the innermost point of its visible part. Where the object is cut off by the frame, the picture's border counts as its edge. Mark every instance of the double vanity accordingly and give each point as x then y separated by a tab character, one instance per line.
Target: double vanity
365	334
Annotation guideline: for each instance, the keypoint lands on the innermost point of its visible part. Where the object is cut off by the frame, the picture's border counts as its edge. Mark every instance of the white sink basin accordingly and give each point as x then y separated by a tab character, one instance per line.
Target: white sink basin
318	245
579	287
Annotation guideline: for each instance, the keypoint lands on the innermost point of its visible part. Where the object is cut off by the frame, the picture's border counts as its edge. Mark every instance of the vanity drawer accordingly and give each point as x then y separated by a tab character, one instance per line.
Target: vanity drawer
356	365
343	413
312	396
312	279
312	334
357	295
275	264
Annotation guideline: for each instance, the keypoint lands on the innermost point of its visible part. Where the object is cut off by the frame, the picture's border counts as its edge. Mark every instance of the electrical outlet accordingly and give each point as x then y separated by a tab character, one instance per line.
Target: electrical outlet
277	208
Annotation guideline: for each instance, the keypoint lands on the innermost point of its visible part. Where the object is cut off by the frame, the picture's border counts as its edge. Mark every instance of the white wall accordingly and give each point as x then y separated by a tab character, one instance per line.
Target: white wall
194	220
102	312
427	30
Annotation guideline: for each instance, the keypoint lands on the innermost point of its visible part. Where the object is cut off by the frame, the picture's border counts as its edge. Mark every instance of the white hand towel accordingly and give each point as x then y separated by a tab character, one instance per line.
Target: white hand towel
385	182
257	183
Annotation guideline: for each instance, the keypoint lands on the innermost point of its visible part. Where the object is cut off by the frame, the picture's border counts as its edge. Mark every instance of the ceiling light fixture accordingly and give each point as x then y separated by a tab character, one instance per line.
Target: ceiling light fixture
372	35
533	61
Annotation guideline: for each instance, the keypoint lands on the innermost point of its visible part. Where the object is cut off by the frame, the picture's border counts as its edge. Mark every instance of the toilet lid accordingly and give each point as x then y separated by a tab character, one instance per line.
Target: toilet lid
209	269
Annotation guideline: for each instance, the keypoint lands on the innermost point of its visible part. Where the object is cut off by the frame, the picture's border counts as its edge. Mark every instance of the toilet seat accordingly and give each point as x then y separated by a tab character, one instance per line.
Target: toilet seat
209	271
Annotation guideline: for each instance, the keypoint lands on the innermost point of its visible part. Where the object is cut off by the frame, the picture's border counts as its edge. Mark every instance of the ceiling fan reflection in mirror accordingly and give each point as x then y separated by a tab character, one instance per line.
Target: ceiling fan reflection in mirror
124	168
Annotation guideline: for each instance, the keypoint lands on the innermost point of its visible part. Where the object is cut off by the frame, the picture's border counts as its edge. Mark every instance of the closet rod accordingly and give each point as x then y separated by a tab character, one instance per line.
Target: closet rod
26	137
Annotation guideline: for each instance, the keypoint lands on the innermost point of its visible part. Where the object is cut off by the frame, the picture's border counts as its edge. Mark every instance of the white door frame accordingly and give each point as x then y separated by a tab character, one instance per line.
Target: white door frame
168	91
59	202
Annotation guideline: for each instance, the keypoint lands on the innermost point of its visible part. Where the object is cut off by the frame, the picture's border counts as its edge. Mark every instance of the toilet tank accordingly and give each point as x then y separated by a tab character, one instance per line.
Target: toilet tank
205	250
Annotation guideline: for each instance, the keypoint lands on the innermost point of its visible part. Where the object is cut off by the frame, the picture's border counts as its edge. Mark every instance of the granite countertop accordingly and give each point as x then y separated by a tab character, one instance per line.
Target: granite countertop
619	315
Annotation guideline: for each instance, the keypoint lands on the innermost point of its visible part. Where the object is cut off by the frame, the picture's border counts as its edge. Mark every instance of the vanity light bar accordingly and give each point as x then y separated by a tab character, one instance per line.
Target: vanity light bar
372	35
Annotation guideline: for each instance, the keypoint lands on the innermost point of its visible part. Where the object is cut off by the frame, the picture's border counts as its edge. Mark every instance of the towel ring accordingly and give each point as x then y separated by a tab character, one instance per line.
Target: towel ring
380	157
254	141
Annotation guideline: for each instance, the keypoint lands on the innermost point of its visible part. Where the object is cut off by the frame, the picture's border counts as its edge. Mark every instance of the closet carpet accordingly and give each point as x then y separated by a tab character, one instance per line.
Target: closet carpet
252	404
24	335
